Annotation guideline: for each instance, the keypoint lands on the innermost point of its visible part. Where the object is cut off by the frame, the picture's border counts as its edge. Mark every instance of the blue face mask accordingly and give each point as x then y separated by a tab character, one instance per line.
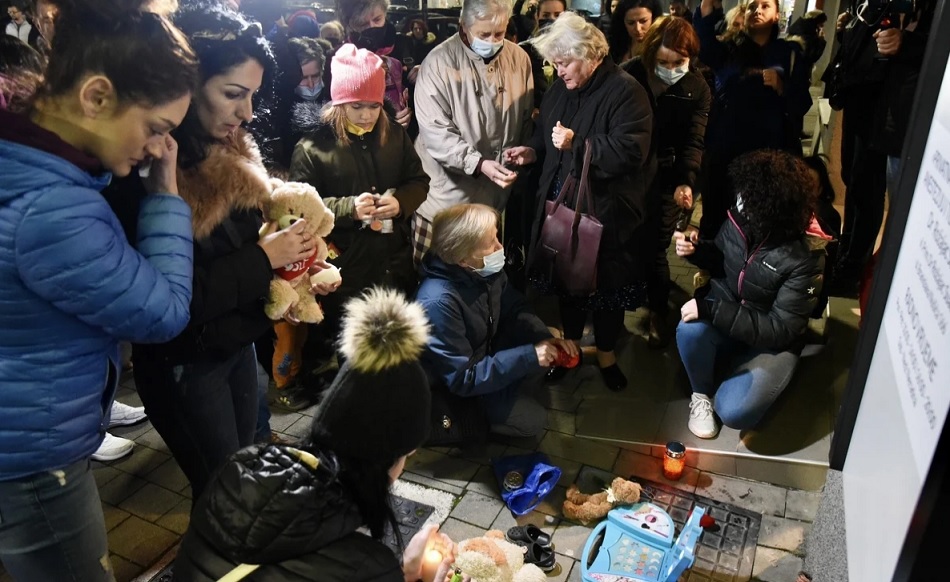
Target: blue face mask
308	94
494	263
486	49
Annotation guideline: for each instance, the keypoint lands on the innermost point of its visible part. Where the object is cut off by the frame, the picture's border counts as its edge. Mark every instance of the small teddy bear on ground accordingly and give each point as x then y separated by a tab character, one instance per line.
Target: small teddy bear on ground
289	290
491	558
587	508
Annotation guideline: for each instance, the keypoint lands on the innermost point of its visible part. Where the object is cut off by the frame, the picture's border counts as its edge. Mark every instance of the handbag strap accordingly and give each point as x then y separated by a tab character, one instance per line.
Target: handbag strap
239	572
583	191
568	185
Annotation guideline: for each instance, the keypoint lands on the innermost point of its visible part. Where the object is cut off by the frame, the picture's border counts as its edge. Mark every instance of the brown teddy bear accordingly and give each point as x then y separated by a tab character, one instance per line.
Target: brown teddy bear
587	508
492	558
289	290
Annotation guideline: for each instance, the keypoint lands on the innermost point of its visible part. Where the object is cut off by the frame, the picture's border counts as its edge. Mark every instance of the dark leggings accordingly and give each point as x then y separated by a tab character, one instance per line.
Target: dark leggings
864	171
665	213
607	325
204	411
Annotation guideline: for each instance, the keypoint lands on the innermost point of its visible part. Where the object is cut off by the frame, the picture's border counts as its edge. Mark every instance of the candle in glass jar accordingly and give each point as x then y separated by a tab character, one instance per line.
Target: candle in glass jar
674	461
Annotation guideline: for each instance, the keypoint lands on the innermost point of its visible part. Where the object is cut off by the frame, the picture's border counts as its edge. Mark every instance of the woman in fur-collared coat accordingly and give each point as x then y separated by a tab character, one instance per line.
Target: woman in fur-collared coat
200	389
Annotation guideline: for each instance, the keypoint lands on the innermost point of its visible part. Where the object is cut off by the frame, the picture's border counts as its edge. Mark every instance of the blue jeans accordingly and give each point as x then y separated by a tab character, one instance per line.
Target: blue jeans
754	377
51	527
262	432
893	175
205	411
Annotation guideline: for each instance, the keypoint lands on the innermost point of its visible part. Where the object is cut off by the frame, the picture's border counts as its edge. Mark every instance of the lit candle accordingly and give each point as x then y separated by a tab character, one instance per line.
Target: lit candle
674	461
430	564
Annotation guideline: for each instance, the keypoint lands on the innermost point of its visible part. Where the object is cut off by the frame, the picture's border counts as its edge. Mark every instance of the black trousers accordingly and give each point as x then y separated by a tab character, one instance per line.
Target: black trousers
607	325
864	172
663	215
717	195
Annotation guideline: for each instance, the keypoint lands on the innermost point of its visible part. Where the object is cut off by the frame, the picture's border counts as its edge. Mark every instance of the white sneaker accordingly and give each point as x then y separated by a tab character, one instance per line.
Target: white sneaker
113	448
702	421
125	415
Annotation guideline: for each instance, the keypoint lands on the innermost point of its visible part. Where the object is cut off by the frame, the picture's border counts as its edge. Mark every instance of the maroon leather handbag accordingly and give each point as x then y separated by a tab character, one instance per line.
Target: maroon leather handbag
570	239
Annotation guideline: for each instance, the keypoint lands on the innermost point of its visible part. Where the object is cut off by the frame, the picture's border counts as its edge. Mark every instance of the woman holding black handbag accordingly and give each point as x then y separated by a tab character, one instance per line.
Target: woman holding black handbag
594	102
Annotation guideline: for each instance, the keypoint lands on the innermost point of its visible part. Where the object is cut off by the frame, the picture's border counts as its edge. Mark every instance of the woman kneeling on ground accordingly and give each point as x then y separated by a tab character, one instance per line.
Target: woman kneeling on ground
486	343
766	265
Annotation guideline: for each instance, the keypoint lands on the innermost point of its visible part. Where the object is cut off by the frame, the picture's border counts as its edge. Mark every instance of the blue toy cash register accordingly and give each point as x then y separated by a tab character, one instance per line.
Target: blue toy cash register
636	544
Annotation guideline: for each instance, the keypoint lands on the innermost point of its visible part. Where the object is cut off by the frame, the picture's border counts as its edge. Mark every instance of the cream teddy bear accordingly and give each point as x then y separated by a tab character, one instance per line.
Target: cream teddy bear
290	288
491	558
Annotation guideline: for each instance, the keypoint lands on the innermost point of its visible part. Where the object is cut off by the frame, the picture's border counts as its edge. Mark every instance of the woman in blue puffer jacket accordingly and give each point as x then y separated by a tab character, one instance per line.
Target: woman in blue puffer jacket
118	80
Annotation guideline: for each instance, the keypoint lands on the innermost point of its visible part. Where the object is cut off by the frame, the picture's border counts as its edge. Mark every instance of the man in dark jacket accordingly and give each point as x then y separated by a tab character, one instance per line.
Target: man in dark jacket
873	80
766	265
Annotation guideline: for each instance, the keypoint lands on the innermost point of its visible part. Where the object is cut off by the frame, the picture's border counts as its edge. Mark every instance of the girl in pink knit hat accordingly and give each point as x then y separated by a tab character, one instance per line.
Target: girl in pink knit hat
365	167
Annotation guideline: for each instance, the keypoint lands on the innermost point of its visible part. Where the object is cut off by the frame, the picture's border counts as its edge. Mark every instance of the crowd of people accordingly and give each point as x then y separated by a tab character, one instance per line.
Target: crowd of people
140	139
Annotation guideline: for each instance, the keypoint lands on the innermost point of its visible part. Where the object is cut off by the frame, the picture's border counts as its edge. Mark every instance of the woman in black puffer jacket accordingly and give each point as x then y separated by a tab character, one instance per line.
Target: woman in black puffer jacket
766	265
320	512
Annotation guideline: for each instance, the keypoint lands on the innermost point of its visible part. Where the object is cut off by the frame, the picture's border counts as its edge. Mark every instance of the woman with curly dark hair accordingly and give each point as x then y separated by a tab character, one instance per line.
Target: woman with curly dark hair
629	24
766	265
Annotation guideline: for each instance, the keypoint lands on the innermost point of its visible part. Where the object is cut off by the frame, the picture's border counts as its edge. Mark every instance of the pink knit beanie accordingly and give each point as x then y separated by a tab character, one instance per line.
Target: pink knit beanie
356	75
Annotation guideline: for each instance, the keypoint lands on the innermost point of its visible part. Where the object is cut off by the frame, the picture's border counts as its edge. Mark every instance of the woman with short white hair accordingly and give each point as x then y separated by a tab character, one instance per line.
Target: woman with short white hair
594	100
485	343
474	97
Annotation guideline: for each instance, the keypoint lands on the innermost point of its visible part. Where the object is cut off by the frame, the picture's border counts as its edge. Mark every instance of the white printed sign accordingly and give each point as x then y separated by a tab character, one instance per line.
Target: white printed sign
917	315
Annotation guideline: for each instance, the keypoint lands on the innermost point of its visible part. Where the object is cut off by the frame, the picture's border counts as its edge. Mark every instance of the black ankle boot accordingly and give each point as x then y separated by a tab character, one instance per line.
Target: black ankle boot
613	378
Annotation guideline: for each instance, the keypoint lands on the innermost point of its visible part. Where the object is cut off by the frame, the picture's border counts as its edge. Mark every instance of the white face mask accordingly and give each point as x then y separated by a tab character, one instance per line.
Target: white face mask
308	94
494	263
739	203
486	49
672	76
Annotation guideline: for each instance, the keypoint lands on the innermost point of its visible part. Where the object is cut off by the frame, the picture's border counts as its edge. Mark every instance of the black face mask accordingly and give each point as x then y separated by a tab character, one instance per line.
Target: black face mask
374	39
544	23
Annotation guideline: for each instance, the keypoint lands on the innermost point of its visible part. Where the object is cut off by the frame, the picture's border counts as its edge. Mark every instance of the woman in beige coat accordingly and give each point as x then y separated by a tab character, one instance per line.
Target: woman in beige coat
474	97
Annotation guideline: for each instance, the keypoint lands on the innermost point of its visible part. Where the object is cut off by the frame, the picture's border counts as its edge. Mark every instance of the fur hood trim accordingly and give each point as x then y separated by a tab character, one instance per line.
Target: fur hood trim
308	117
231	178
381	329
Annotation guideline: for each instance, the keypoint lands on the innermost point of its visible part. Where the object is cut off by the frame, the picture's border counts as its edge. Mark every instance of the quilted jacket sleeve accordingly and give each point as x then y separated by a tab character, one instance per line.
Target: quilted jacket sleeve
689	162
72	252
779	327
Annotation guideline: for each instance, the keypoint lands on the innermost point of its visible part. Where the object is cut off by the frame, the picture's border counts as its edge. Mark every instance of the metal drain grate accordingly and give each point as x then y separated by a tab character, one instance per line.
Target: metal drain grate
725	553
411	516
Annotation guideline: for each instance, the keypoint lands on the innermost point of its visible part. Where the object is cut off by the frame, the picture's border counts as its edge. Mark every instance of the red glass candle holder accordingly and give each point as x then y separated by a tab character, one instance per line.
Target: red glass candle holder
674	461
563	360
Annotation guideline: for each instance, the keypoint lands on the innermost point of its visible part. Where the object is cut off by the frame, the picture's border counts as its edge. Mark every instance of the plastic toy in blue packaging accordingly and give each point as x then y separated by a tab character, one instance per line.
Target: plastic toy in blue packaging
525	480
636	544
